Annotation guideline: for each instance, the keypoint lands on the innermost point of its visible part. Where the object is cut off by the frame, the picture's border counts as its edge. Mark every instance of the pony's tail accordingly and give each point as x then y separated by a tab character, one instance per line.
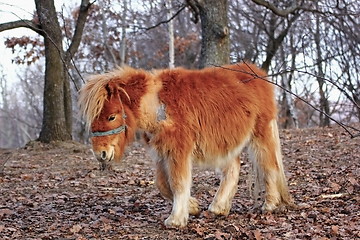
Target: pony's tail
267	168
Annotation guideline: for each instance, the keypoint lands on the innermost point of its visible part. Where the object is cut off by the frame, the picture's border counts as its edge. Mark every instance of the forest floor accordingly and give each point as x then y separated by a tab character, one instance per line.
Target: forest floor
56	191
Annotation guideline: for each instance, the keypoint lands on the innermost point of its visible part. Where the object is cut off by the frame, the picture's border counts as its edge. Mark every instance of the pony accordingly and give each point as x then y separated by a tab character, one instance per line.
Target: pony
203	117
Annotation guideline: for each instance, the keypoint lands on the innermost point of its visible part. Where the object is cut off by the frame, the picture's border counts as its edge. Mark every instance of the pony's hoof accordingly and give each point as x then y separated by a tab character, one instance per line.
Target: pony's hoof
194	207
268	207
219	210
281	207
175	222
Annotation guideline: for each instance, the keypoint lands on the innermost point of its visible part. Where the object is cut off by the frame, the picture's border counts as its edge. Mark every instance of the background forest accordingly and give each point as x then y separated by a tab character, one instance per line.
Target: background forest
309	48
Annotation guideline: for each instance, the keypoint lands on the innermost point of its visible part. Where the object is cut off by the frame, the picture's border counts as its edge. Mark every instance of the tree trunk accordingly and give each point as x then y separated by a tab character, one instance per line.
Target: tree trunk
288	110
55	125
215	42
324	102
171	36
123	35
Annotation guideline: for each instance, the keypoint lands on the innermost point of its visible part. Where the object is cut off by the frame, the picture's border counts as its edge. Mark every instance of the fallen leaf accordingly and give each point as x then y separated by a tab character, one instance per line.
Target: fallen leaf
199	230
257	234
5	211
335	187
334	230
81	238
76	228
218	235
353	181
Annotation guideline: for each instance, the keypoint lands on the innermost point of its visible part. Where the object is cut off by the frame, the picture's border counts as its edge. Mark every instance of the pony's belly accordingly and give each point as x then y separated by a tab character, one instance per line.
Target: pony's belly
216	161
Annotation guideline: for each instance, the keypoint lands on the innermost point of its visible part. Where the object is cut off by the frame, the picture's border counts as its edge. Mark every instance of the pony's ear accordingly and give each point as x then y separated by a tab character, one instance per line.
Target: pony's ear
111	89
117	90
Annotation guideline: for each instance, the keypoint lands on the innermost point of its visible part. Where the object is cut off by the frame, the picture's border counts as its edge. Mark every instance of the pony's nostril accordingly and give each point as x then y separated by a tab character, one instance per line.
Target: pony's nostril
103	155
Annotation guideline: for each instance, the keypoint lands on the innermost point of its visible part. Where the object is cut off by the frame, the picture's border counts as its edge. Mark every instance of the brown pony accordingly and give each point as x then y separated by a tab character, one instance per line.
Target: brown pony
202	116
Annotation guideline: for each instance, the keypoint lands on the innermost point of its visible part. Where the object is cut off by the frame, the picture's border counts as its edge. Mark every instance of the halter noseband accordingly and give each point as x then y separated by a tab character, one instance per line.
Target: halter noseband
120	129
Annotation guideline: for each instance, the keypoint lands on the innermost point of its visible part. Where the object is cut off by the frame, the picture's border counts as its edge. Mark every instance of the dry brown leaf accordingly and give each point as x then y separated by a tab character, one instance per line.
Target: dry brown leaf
353	181
335	187
199	230
257	234
334	230
76	228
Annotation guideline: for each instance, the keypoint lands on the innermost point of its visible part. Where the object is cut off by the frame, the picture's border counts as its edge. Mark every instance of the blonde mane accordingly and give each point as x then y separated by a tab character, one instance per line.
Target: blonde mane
93	94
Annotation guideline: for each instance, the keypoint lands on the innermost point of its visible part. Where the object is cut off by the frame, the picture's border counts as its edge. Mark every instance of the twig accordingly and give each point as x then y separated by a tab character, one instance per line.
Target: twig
254	75
165	21
3	162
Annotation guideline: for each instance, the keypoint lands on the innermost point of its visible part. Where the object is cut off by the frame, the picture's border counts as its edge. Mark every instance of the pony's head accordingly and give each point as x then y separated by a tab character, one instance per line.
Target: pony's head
104	103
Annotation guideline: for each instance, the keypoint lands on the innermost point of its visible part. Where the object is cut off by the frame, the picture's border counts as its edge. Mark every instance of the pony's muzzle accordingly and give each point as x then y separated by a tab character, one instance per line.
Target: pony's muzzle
104	157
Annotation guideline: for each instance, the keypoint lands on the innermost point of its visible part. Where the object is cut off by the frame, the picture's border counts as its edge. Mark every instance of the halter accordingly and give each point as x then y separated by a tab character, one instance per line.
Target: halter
120	129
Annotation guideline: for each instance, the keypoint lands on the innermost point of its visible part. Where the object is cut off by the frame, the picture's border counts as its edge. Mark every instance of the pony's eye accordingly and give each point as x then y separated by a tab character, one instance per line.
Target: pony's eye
111	118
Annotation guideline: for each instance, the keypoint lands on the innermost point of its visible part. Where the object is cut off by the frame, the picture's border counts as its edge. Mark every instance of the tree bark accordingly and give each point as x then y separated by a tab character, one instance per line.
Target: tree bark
123	36
54	125
215	42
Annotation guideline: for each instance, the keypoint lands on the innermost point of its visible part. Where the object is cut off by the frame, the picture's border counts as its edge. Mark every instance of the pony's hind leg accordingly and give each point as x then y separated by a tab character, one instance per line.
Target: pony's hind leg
162	183
265	152
221	204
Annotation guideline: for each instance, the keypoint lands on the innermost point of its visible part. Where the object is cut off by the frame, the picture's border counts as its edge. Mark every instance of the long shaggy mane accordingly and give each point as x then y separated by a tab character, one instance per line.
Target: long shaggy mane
93	94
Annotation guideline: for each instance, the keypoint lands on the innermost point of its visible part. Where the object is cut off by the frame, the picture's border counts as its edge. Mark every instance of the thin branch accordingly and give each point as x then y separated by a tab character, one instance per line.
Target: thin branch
21	23
11	116
335	84
194	7
79	28
254	75
166	21
280	12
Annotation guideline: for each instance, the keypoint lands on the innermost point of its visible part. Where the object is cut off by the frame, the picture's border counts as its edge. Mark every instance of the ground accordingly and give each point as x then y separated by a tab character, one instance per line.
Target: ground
56	191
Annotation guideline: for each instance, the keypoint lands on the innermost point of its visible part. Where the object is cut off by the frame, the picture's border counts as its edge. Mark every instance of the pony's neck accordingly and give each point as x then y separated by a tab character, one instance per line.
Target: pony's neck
146	112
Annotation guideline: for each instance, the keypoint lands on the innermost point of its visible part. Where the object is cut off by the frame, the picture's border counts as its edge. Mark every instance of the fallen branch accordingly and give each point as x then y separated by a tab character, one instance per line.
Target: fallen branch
3	161
337	195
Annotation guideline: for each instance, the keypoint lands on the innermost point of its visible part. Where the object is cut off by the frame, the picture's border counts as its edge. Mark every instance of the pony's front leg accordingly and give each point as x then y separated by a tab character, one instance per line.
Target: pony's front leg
221	204
179	176
162	183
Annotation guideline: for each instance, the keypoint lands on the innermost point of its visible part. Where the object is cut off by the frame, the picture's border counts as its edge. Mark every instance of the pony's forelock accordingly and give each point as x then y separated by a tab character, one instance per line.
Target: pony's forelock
93	94
92	97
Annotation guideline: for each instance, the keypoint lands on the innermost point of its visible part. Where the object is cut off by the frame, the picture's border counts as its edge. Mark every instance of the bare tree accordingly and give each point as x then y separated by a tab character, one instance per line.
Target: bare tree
57	118
325	31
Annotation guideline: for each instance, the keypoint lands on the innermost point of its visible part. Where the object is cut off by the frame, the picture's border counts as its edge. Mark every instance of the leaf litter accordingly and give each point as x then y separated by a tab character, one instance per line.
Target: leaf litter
56	191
